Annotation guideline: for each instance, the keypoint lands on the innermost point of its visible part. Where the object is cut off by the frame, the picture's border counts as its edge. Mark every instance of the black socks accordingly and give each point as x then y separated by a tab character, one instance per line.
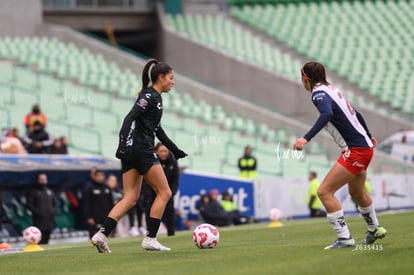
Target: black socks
108	226
153	226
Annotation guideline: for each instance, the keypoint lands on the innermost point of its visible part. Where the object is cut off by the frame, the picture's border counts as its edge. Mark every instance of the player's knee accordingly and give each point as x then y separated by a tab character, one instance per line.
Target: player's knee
358	195
130	201
354	194
322	194
169	194
165	195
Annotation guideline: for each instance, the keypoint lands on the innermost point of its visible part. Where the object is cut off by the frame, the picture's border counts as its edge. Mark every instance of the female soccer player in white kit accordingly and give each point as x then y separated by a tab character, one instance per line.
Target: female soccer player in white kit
351	166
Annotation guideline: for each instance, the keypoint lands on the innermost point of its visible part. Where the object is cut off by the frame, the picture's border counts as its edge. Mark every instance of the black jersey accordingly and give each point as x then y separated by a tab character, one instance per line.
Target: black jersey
141	124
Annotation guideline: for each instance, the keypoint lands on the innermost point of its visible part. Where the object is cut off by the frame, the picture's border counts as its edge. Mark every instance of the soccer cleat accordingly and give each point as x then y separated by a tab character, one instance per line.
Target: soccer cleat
379	233
143	231
134	231
100	241
152	244
341	243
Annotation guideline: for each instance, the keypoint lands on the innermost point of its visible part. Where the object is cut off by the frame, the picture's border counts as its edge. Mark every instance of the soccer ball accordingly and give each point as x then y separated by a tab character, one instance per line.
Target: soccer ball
275	214
32	234
206	236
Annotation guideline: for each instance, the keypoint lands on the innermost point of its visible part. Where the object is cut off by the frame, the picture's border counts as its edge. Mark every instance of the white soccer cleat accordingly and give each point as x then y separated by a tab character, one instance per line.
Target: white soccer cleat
153	245
341	243
134	231
143	231
100	241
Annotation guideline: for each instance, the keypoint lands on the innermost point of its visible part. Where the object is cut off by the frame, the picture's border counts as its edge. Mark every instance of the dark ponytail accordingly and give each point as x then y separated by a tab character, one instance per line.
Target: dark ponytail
152	70
314	72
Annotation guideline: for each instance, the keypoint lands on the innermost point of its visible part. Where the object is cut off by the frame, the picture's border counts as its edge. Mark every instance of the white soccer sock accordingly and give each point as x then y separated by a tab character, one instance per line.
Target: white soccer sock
370	217
338	222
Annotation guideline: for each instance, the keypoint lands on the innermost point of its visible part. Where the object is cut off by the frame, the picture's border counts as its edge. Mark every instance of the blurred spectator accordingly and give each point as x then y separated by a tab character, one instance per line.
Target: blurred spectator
112	183
181	222
368	188
60	146
74	203
211	211
38	140
14	132
41	201
172	173
248	164
231	208
10	143
98	201
92	173
314	203
33	116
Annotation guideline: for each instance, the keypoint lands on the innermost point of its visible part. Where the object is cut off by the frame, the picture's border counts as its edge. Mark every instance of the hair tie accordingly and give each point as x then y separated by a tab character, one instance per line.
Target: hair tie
150	69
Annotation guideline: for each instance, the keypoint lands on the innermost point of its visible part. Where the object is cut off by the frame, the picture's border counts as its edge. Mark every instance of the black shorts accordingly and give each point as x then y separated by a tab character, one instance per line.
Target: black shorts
141	162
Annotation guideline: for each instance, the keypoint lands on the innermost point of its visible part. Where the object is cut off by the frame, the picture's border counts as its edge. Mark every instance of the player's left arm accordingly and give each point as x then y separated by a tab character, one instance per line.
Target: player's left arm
162	136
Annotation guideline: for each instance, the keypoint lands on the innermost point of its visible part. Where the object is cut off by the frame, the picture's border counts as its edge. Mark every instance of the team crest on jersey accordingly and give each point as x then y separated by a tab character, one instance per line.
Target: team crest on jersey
142	102
159	106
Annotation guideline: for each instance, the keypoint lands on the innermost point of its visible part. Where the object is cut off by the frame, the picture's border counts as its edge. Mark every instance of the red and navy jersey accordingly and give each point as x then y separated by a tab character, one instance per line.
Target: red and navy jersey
333	107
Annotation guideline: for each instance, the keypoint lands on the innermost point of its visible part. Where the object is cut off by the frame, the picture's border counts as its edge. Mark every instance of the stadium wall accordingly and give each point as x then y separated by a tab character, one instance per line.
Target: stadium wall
20	17
256	198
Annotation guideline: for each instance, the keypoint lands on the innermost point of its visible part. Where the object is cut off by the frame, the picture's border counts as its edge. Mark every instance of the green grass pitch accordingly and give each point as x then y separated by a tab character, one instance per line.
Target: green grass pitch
295	248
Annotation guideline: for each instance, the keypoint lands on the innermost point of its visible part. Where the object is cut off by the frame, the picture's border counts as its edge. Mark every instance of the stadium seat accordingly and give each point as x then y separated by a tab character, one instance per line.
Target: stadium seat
365	56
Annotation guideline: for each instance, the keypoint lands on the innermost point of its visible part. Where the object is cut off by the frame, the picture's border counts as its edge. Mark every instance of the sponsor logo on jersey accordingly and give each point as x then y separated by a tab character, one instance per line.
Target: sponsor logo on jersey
358	164
318	96
142	103
147	95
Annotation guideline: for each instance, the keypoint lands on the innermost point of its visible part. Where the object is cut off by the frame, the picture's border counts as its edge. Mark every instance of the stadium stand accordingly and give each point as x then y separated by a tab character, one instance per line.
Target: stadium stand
214	32
377	61
222	33
89	113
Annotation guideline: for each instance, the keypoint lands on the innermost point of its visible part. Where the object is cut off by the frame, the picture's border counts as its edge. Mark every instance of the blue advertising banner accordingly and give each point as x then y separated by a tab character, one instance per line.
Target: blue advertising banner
192	185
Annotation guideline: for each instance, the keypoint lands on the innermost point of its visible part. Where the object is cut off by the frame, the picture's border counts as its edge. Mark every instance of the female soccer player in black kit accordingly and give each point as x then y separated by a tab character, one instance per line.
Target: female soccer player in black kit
136	152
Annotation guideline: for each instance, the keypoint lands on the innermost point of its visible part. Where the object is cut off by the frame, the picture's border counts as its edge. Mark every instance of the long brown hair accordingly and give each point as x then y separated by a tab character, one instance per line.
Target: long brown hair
314	72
